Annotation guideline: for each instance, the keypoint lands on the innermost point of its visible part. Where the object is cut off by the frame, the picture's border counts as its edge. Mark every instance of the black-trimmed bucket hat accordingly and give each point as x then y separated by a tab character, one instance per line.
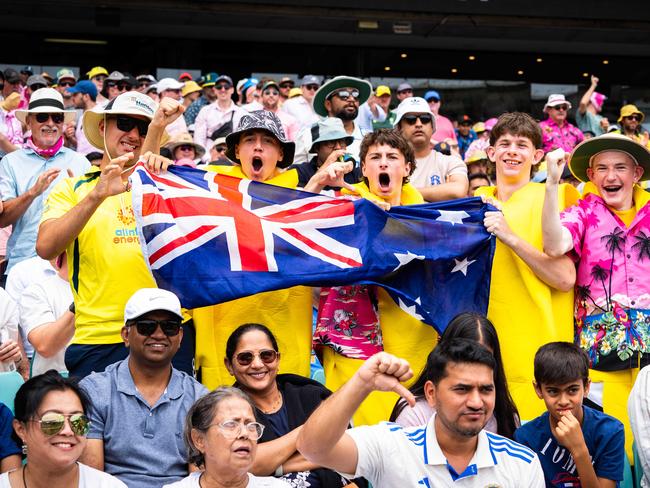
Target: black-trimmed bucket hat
336	83
583	152
261	120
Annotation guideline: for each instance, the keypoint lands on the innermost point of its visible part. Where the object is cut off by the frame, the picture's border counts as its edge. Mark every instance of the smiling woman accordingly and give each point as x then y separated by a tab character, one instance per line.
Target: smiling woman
51	423
221	435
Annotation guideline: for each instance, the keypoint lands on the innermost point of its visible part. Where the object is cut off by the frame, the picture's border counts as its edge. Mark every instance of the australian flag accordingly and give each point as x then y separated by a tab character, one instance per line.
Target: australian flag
211	238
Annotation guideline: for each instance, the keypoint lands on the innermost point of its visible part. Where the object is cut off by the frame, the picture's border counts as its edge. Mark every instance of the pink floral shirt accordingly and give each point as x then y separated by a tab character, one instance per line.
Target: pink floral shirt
612	299
553	136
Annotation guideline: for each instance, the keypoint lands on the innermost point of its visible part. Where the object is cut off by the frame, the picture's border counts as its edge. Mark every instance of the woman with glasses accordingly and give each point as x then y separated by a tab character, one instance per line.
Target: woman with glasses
282	404
221	434
51	423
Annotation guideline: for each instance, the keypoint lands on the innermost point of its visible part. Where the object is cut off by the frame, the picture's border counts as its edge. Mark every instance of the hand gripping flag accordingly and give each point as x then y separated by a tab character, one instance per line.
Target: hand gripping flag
212	238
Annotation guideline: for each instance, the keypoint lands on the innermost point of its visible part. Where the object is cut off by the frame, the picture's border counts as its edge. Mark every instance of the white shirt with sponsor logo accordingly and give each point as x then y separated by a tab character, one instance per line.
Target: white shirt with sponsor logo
392	456
435	168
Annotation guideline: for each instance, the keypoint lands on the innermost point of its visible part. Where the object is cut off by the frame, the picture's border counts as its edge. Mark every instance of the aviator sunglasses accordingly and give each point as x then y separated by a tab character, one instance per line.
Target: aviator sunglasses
52	423
267	356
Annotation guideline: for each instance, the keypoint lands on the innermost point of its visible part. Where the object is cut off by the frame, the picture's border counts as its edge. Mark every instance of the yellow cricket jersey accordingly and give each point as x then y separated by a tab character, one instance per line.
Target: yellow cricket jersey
525	311
105	261
288	313
403	336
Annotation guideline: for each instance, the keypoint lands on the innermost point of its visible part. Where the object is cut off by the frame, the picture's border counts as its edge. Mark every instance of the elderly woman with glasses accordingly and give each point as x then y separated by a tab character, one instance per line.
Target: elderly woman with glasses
221	435
51	423
282	404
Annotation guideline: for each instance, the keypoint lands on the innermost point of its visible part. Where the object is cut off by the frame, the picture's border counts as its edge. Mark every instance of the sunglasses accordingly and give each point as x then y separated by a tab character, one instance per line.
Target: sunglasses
56	118
311	87
633	117
124	87
126	124
224	86
147	327
286	85
267	356
53	423
99	77
434	100
220	149
186	147
345	94
561	107
144	84
232	428
271	92
36	87
412	119
405	91
67	83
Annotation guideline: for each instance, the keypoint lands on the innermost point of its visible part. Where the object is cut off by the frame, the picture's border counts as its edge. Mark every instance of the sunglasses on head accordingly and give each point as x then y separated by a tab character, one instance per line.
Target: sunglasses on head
52	423
345	94
56	118
311	87
67	83
126	124
267	356
147	327
561	107
633	117
223	86
412	119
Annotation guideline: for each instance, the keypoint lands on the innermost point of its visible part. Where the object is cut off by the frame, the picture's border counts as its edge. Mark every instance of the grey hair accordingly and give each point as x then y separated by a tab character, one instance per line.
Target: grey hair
201	415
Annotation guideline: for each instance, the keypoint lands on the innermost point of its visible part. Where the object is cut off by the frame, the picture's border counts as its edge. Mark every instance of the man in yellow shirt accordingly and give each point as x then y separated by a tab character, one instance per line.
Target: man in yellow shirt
531	294
91	218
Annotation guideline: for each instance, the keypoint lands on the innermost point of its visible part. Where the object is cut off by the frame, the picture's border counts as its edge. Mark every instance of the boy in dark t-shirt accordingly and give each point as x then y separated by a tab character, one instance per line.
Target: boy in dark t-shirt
577	445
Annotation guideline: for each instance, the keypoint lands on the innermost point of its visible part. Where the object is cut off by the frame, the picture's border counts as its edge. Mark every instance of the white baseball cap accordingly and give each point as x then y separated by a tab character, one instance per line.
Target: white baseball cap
147	300
414	105
168	84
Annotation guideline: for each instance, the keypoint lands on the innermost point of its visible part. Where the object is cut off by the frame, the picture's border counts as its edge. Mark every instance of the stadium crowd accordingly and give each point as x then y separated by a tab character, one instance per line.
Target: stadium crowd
107	381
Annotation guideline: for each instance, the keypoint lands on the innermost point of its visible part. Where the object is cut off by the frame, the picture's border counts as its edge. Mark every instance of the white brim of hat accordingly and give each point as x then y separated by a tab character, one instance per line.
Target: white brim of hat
69	115
92	118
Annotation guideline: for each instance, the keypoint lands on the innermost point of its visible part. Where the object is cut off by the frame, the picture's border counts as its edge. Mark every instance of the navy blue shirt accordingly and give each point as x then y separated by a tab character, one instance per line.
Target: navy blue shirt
8	446
604	437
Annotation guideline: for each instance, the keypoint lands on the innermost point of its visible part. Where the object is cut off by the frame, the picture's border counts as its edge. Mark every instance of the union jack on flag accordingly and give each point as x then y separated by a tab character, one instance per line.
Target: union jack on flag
212	238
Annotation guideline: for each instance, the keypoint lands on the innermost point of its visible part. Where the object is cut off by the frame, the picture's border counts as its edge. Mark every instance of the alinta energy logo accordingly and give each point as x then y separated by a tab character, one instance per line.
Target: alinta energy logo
128	234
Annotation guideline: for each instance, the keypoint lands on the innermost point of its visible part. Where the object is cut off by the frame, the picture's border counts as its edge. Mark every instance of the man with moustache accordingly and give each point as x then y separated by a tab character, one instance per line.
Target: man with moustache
26	175
339	97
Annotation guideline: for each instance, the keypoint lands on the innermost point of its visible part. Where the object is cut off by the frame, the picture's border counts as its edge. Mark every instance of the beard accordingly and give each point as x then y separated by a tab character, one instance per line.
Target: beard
344	114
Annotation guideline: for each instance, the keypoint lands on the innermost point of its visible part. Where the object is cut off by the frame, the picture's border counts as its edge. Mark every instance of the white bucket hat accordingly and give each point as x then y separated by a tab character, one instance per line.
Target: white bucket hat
556	99
415	105
46	101
129	103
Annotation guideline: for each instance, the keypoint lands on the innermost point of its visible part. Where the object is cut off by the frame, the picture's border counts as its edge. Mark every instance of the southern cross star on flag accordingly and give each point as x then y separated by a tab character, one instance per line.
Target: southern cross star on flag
211	238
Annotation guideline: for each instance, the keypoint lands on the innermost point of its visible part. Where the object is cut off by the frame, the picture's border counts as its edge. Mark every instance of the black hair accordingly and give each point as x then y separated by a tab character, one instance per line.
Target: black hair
475	327
558	363
456	350
478	176
94	155
31	393
233	340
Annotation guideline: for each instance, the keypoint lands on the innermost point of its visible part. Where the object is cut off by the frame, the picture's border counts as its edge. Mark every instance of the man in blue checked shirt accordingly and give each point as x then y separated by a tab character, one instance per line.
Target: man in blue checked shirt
452	449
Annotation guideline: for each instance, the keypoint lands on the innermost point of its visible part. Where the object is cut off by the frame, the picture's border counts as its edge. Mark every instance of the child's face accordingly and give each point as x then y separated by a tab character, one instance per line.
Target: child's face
385	168
513	157
560	399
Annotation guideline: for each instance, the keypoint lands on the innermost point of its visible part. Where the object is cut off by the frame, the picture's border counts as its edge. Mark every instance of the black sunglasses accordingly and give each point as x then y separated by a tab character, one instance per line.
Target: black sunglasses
561	107
220	149
411	119
633	117
271	92
37	86
56	118
186	147
67	83
52	423
223	86
126	124
311	87
146	327
267	356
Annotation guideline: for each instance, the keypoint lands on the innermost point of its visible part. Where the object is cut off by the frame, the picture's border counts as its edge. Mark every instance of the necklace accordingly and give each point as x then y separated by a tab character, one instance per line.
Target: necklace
275	406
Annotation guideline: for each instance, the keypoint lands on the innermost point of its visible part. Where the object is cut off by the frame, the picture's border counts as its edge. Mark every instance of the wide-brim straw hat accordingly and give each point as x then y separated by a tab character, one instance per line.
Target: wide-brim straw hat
184	139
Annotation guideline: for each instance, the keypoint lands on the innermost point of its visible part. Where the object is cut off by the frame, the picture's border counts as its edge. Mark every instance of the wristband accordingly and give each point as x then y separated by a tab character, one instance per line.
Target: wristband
279	472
